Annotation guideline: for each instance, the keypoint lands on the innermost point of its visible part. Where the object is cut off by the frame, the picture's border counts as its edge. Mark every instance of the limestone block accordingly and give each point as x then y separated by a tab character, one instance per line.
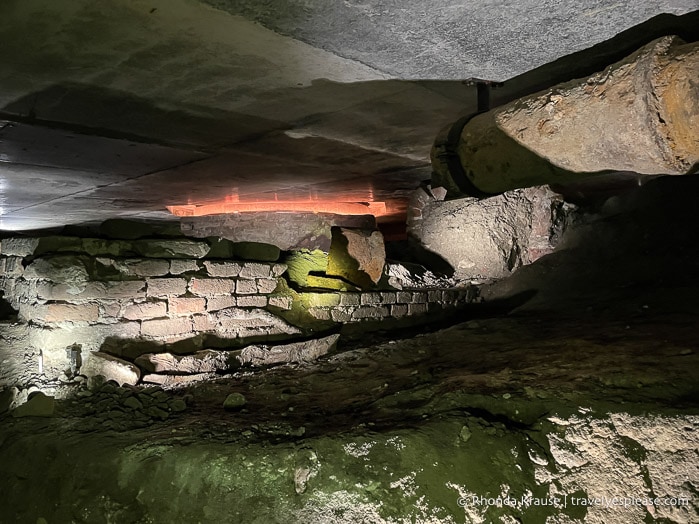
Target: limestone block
110	367
171	248
295	352
222	269
266	285
203	323
209	287
357	255
252	301
179	266
419	297
169	327
145	310
101	247
206	361
301	263
434	295
165	287
246	287
221	302
186	305
370	312
51	339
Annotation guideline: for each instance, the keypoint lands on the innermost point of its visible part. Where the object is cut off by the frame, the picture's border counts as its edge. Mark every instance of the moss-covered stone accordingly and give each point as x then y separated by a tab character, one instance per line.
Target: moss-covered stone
303	262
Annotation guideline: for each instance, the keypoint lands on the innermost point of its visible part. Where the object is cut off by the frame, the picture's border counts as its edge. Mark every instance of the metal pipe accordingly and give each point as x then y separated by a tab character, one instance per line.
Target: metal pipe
639	115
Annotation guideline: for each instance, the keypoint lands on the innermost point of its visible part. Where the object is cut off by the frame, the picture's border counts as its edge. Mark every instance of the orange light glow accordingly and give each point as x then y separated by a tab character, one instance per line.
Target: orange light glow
232	205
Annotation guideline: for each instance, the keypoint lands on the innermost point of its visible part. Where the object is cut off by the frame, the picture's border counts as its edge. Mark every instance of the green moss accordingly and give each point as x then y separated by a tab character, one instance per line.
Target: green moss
301	263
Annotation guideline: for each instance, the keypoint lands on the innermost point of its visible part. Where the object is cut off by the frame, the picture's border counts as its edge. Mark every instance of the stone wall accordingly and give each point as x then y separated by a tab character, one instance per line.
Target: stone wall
83	298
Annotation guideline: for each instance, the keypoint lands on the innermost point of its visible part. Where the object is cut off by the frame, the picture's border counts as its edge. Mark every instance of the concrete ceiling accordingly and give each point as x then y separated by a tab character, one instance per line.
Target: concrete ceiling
124	107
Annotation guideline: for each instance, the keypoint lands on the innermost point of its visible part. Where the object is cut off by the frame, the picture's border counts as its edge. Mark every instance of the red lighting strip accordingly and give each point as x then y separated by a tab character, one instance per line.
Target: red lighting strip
339	208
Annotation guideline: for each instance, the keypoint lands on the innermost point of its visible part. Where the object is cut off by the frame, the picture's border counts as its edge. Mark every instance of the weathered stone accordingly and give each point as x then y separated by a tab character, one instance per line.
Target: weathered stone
179	266
222	269
178	405
68	270
171	248
220	248
234	401
252	301
266	285
186	305
142	267
357	255
221	302
297	230
209	287
370	313
38	405
101	247
250	322
341	314
177	380
169	327
145	310
246	287
301	263
93	290
256	251
283	302
487	239
206	361
19	246
166	287
370	298
296	352
11	267
110	367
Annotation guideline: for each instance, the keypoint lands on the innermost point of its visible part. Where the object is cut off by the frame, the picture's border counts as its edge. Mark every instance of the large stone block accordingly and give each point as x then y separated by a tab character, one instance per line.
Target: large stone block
205	361
357	255
65	269
295	352
171	248
19	246
179	266
110	367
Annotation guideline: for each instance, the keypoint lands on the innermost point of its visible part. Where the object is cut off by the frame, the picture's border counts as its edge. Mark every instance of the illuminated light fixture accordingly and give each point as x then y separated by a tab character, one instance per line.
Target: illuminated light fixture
299	206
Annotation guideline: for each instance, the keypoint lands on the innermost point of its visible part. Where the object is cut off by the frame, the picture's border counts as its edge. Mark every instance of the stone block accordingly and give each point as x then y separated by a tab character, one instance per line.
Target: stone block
419	297
177	380
171	248
205	361
255	270
251	322
277	270
19	247
222	269
350	299
246	287
166	287
399	310
417	309
110	367
404	297
181	265
283	302
186	305
63	269
434	295
110	290
266	285
357	255
388	297
209	287
221	302
169	327
100	247
252	301
319	313
143	267
144	310
295	352
341	314
303	262
370	313
370	298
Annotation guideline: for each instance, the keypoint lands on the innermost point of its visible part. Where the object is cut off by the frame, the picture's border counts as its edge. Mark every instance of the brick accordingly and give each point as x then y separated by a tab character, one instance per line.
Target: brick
281	301
179	266
277	270
419	297
186	306
202	323
350	299
222	302
110	310
417	309
71	313
246	287
341	314
434	295
266	285
166	328
255	270
144	310
399	310
388	297
404	297
208	287
252	301
370	312
222	269
370	298
164	287
319	313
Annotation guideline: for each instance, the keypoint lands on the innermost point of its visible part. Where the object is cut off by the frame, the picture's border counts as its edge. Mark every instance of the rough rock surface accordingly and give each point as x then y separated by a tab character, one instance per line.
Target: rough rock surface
490	238
296	352
110	367
357	255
